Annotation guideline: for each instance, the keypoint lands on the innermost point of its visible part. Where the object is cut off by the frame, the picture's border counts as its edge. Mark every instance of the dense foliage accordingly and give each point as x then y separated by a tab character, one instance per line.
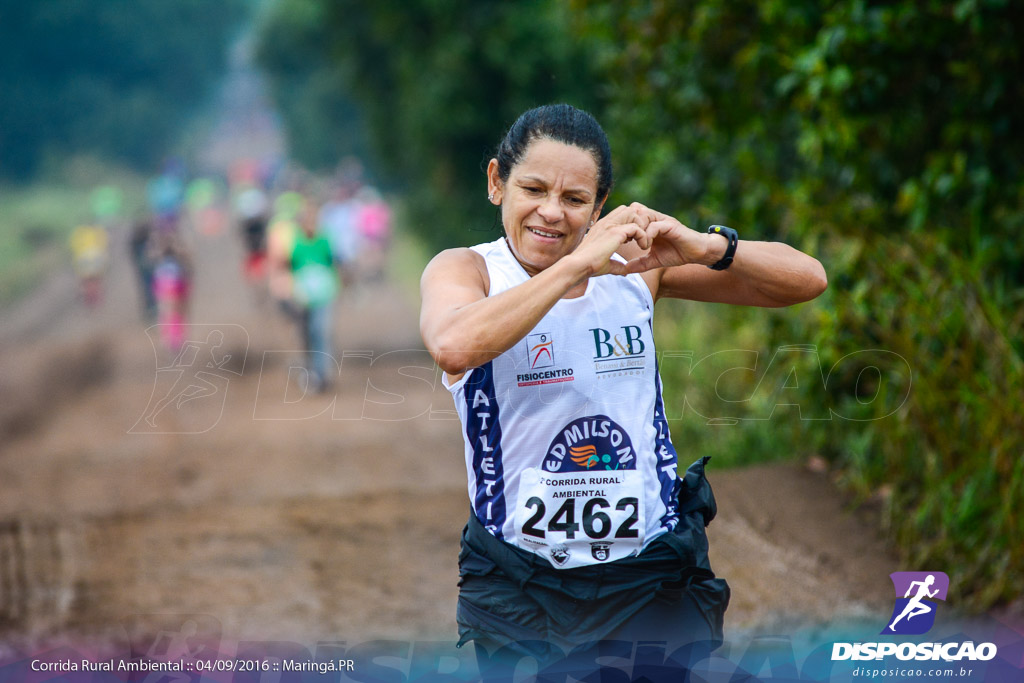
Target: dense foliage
110	78
885	138
322	122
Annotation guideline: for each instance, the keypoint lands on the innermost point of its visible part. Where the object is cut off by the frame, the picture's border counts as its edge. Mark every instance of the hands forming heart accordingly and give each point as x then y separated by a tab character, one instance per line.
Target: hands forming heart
666	241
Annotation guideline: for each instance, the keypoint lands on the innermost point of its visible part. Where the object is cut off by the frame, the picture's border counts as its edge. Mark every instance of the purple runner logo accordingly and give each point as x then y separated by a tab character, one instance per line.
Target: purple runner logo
913	615
914	612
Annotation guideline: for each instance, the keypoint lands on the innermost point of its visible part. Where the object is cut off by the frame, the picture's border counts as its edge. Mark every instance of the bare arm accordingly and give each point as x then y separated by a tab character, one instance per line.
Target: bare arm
463	327
768	274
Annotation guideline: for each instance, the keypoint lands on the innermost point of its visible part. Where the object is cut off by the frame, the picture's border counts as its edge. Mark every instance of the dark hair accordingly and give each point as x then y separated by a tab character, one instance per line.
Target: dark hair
561	123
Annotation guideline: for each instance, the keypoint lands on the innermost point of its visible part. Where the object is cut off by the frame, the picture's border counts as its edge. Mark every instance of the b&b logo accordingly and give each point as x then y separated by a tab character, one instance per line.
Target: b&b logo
627	343
619	354
914	612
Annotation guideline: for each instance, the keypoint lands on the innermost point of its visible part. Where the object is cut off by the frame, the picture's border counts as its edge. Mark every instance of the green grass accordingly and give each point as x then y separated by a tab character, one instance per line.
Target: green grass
36	220
727	386
409	256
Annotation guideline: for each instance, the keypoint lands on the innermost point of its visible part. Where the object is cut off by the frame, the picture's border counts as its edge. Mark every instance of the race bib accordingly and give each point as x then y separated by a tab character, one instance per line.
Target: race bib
578	518
315	285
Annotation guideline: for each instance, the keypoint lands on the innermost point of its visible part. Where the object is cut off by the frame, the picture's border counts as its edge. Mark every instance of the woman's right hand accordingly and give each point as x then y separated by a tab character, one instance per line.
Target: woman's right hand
623	224
463	327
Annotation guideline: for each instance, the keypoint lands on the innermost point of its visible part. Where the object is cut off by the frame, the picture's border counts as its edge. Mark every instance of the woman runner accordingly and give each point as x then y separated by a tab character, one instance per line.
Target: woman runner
583	533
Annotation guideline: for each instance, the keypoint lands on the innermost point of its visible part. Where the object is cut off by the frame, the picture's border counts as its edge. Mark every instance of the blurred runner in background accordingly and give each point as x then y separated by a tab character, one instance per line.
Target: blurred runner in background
338	222
165	194
142	249
315	286
251	212
89	246
281	237
172	279
106	202
203	199
373	219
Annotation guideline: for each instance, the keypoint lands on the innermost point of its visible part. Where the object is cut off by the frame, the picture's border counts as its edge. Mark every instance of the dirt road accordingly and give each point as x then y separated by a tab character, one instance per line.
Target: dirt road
283	517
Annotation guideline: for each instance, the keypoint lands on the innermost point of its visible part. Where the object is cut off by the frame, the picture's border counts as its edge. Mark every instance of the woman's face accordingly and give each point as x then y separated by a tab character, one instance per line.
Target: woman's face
548	201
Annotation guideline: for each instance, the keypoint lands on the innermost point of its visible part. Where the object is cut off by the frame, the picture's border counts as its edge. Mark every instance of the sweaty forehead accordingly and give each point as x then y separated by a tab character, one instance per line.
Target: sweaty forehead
551	162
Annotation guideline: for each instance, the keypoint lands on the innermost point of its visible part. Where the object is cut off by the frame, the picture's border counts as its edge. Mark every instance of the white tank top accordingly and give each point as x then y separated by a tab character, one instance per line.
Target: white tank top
567	447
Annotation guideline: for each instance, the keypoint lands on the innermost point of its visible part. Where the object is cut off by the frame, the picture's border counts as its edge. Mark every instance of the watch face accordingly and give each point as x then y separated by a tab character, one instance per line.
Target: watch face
730	250
723	230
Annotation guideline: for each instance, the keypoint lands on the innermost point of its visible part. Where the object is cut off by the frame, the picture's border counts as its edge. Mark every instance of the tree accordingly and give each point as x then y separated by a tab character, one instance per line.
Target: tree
112	78
436	82
885	138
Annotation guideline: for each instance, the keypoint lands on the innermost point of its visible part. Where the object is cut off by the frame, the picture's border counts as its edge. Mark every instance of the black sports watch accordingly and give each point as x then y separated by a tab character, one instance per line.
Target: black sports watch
730	250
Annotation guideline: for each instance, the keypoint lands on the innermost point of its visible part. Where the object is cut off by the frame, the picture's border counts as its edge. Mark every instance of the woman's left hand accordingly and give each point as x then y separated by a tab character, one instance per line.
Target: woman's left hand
672	244
761	274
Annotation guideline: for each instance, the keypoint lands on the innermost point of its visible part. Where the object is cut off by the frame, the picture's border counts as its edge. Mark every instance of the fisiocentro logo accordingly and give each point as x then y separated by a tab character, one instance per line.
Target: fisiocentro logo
914	614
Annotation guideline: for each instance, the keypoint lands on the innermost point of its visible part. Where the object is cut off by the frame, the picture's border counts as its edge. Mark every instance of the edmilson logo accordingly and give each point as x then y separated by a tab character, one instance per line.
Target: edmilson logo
916	592
590	443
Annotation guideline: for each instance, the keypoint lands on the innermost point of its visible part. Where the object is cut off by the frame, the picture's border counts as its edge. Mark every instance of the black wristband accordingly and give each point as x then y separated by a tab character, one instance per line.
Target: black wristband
730	250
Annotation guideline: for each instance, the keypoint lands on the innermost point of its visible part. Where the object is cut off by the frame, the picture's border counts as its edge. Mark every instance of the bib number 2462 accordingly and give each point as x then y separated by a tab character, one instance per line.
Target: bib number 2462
593	521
